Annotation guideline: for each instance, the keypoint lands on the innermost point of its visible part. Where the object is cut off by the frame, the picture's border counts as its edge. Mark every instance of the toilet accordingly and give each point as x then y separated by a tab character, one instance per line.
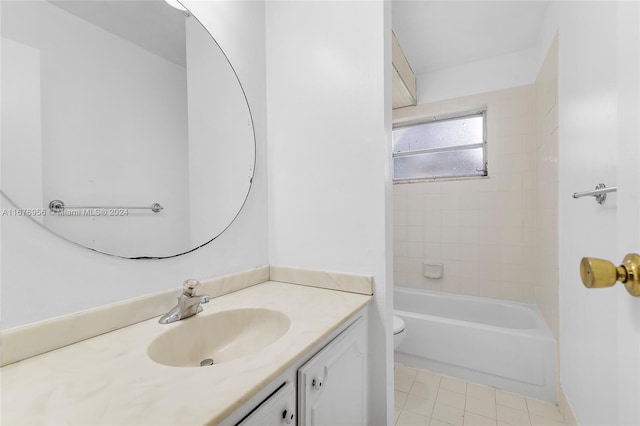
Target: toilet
399	331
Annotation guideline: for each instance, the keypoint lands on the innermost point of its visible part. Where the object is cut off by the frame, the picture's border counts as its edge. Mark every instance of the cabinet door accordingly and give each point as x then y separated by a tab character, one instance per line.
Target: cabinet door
279	409
333	384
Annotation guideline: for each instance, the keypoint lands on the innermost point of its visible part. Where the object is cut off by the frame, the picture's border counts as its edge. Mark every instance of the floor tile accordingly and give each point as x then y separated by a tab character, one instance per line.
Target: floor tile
407	369
448	414
482	407
544	421
473	419
428	377
453	399
425	398
399	398
544	409
436	422
454	385
411	419
403	377
424	390
420	406
484	393
511	400
512	416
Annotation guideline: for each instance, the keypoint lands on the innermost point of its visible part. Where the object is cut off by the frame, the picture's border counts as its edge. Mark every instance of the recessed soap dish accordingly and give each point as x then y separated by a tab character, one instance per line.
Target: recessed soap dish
433	270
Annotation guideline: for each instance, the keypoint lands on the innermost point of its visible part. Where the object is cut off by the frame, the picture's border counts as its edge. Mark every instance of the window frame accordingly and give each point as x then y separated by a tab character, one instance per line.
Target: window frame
442	118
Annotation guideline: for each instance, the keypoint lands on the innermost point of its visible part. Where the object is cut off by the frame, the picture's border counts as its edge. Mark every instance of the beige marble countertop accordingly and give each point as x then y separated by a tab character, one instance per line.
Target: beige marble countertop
109	379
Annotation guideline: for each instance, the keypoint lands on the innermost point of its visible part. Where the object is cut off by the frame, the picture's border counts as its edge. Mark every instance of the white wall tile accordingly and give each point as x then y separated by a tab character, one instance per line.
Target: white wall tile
433	284
400	233
433	251
510	181
451	218
433	217
415	249
469	269
449	201
415	233
414	282
415	218
451	234
433	234
469	251
452	284
484	230
400	279
432	201
451	251
469	234
401	217
400	248
400	197
414	266
469	217
542	285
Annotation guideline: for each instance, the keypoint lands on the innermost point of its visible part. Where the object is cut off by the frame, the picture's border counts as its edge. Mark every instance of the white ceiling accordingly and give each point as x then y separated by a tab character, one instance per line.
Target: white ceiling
151	24
436	35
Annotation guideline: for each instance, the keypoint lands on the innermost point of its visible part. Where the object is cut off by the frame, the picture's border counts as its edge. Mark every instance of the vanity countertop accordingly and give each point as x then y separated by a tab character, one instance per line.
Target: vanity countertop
109	379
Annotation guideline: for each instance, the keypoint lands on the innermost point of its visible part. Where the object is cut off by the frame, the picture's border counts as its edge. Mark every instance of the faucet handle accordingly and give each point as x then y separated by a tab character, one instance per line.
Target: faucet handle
190	287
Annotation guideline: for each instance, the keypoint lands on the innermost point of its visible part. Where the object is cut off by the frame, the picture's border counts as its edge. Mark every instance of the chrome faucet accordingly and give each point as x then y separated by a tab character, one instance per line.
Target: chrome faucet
188	303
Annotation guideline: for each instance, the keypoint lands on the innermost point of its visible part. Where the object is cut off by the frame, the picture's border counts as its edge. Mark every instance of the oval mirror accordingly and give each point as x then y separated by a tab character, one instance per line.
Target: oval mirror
112	107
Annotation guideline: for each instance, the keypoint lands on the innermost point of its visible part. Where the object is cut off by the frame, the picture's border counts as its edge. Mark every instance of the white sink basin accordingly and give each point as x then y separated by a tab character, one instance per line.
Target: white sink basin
221	337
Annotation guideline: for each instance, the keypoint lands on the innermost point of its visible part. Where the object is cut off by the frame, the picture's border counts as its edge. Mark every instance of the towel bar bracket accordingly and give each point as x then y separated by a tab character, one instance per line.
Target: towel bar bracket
600	193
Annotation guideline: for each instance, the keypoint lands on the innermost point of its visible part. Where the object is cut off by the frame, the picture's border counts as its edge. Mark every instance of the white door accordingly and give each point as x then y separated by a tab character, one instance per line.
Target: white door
628	211
599	99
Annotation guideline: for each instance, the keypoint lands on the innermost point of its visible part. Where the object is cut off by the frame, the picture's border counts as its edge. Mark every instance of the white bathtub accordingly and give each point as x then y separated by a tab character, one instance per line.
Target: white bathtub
498	343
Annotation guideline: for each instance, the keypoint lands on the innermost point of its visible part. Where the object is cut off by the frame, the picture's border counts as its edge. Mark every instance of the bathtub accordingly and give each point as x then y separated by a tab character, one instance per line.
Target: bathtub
506	345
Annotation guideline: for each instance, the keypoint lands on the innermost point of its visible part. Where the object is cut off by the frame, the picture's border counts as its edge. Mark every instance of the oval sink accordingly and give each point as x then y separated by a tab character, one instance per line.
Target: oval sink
221	337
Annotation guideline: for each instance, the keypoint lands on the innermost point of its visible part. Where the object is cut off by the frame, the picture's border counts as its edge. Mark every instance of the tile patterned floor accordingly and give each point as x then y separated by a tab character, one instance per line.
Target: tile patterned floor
428	399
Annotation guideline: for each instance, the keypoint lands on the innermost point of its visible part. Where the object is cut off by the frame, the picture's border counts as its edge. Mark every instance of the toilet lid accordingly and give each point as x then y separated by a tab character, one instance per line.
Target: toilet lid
398	324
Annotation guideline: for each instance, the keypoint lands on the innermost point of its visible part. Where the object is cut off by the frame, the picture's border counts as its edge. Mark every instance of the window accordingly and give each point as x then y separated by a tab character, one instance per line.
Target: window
441	148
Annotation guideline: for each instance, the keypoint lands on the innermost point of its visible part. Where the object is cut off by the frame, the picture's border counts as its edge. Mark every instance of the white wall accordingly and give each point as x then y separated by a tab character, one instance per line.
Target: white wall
329	99
500	72
21	131
62	278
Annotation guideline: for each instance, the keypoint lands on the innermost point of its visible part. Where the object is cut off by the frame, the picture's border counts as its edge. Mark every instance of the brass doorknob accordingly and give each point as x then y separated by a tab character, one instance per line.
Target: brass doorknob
598	273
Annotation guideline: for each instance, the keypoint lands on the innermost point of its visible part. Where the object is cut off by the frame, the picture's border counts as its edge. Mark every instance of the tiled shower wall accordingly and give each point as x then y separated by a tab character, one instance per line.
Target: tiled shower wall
482	230
546	107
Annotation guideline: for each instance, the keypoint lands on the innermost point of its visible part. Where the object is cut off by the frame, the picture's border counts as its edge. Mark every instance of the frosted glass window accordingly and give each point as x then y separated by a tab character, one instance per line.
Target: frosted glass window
445	148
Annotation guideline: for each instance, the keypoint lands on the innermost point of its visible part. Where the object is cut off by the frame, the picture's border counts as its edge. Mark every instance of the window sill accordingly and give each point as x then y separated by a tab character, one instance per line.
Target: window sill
435	180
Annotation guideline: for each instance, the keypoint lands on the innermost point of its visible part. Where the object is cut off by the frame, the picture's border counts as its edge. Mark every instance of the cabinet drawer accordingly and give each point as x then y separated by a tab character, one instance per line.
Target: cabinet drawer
279	409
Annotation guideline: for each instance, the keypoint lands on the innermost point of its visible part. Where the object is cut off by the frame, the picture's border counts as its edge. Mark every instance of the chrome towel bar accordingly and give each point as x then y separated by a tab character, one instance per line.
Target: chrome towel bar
58	206
600	193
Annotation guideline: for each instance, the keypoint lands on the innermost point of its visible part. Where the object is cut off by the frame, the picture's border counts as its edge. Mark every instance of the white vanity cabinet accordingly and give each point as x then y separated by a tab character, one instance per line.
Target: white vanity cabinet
327	386
332	386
